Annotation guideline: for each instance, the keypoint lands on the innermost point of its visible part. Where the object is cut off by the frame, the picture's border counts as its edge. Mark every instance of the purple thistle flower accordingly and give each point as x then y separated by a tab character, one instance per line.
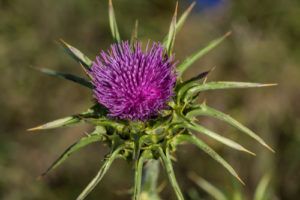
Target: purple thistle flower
131	83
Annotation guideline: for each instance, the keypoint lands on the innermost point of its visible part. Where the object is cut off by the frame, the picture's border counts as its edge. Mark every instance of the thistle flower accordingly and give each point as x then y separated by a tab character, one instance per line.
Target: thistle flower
131	83
143	111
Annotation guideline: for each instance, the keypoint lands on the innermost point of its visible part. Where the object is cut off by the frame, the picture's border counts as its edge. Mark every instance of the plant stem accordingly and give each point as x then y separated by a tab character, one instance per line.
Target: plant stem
149	181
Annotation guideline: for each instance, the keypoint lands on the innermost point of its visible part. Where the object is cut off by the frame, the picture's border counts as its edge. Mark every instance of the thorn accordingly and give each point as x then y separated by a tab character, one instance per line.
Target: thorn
206	77
191	6
227	34
35	128
61	41
247	151
250	152
176	9
268	84
241	181
270	148
86	71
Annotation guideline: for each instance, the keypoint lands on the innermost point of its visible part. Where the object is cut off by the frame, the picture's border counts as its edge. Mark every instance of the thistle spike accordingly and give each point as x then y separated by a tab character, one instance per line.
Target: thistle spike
113	23
172	32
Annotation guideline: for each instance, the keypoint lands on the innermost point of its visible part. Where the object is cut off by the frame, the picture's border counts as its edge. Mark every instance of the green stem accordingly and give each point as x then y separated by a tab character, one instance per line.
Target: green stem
149	182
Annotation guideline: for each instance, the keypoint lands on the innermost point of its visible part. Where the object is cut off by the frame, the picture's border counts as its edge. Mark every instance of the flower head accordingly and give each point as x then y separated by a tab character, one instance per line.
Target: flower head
131	83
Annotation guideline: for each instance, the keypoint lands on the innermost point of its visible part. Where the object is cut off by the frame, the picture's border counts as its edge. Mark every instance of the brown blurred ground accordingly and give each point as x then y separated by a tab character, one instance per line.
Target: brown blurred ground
264	47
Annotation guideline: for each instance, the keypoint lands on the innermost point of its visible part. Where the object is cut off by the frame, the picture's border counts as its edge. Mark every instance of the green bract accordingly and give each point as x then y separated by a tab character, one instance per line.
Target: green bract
157	139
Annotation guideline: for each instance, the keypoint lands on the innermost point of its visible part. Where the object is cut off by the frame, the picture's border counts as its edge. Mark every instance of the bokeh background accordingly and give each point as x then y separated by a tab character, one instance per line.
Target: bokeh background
264	47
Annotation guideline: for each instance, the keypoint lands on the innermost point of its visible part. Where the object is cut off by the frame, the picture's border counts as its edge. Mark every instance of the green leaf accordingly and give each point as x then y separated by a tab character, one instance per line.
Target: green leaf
150	190
66	121
219	138
221	85
95	111
84	141
113	23
172	33
200	144
138	178
208	187
170	172
138	175
197	55
76	54
70	77
208	111
181	20
101	173
184	16
261	190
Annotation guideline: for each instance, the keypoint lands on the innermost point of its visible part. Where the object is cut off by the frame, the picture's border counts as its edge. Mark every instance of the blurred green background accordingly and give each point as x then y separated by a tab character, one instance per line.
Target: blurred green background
264	47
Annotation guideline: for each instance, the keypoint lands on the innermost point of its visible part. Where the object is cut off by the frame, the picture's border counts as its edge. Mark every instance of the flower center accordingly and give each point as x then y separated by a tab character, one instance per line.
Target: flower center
148	95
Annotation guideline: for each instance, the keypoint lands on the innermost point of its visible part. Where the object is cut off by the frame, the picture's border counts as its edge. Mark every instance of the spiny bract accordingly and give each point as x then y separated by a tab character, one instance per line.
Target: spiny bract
143	111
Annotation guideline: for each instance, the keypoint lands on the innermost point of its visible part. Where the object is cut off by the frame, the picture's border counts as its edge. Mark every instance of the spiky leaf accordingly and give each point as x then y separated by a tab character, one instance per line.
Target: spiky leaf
184	16
199	54
221	85
181	20
208	187
66	121
205	110
138	174
94	112
165	156
219	138
66	76
172	33
96	136
76	54
106	165
207	149
113	22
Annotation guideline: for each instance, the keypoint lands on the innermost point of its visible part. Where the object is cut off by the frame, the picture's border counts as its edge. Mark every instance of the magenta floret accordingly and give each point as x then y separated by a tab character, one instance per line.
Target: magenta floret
131	83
